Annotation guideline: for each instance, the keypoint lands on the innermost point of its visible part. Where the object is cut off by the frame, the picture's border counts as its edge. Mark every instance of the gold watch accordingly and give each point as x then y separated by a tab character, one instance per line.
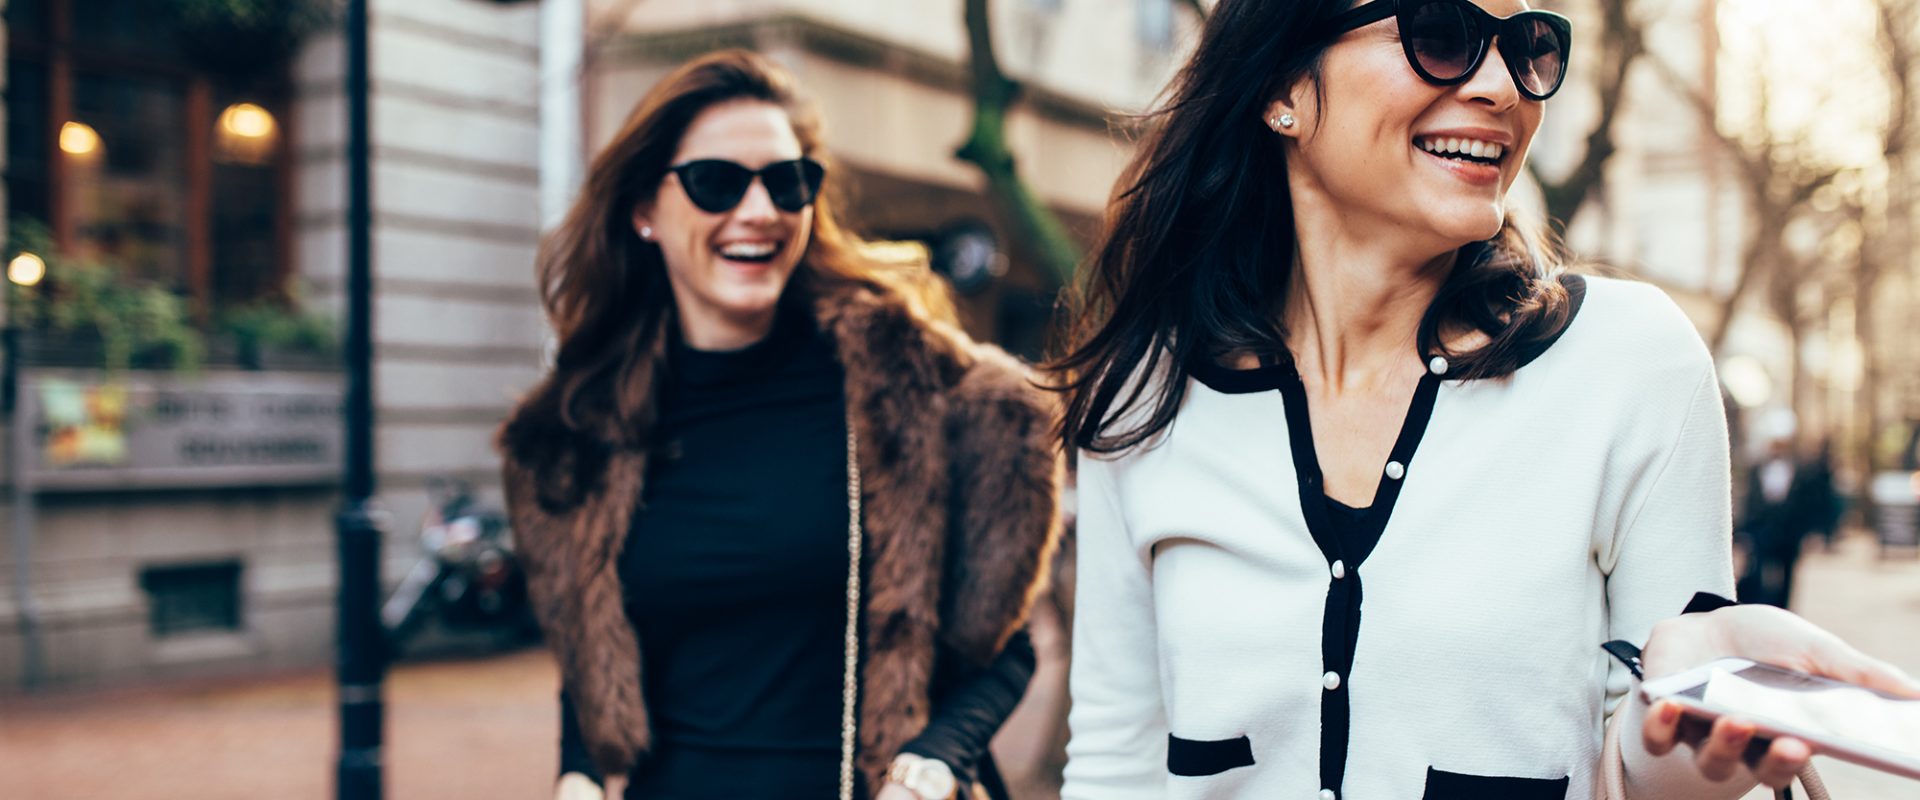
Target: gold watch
929	778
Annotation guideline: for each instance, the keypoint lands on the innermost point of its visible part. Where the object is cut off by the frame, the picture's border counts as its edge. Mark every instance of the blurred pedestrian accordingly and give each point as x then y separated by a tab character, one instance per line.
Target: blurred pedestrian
1787	500
1315	348
1774	521
1825	503
743	405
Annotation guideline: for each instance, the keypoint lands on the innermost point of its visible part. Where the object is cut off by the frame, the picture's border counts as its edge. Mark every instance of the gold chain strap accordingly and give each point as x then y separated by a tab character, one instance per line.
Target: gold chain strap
850	685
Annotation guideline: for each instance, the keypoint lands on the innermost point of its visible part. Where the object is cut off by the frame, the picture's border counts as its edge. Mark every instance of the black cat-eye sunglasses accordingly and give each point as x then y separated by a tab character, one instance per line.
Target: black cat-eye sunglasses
1445	41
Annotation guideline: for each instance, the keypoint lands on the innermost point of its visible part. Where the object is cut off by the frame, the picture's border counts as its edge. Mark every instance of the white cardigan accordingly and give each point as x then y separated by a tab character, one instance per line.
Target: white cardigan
1580	500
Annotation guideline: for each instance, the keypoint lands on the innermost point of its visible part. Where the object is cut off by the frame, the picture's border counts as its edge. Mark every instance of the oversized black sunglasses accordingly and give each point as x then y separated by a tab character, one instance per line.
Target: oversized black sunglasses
717	186
1445	41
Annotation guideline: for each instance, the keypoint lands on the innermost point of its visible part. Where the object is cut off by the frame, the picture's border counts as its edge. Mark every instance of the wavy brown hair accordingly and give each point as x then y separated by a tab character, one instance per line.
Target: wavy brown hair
606	291
1199	240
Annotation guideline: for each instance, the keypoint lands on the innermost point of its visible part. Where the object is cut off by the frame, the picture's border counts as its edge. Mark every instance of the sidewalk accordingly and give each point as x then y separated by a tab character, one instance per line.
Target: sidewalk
485	728
1875	605
460	730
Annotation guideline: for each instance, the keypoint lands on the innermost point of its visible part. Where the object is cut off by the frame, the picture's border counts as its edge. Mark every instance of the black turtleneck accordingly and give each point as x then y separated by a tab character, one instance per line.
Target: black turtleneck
735	574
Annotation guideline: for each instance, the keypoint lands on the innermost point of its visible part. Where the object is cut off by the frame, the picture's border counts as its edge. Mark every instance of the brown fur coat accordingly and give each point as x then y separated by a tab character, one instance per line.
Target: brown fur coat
959	476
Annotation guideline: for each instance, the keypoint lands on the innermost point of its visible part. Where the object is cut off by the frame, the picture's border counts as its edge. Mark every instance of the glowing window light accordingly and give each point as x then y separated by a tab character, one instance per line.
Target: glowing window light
26	269
247	121
245	134
79	139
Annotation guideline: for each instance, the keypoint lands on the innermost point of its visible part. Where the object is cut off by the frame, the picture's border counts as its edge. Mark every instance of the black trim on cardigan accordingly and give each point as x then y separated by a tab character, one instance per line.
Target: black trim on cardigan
1227	380
1268	376
1703	602
1347	544
1576	287
1190	758
1340	624
1444	785
1628	653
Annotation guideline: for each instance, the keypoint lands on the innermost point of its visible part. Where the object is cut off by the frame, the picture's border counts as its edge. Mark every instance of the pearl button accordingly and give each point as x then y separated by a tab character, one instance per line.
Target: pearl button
1331	681
1339	571
1437	366
1327	794
1396	470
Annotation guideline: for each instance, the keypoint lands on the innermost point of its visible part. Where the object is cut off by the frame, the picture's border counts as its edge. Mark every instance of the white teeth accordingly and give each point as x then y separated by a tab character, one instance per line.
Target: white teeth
746	250
1469	147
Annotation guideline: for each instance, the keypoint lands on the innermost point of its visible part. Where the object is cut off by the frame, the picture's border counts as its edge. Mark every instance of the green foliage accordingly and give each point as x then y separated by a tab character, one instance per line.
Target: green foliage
132	317
1890	446
289	18
244	37
266	324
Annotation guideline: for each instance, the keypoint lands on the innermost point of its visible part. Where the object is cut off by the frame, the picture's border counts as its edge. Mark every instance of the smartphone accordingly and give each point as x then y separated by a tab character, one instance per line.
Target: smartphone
1841	720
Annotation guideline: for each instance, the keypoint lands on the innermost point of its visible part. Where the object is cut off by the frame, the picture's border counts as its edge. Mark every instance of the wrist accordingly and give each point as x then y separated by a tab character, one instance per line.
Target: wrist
1684	642
578	786
927	778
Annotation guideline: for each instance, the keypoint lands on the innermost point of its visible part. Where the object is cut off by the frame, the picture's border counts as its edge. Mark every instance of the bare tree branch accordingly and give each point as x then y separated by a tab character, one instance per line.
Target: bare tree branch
1896	40
1754	169
608	28
1753	256
1781	178
1881	245
1622	44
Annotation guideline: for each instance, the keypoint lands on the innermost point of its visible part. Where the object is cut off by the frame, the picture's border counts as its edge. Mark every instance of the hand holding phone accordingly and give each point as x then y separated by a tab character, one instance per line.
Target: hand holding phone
1841	720
1762	634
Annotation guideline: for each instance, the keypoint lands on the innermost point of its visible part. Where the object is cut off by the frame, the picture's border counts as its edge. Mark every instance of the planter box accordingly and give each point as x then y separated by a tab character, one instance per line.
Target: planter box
84	351
225	354
90	431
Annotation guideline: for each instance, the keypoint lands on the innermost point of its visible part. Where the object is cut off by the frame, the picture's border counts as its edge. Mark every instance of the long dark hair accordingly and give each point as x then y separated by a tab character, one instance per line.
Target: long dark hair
606	291
1198	247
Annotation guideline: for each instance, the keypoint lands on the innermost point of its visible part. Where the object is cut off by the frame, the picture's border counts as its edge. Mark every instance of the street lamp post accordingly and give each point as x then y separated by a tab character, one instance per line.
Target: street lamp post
26	269
362	641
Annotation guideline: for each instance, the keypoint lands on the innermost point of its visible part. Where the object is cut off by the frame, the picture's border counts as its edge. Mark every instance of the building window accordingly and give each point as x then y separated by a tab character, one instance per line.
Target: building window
138	146
193	598
1154	24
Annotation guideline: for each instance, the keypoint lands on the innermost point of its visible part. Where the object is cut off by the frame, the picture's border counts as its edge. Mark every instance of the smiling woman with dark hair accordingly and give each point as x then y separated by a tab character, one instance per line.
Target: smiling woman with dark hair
782	520
1365	477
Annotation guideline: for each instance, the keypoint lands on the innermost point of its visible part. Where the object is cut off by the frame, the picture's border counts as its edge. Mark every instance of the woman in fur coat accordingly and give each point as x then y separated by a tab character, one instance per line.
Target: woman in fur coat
782	519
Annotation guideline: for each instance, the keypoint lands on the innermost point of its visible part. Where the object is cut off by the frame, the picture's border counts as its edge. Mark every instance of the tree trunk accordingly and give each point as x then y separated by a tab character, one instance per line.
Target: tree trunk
1866	395
1621	44
1037	227
1800	384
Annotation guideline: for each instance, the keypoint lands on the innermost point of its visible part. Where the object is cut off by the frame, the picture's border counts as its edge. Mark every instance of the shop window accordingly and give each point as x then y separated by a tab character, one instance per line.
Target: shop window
193	598
138	147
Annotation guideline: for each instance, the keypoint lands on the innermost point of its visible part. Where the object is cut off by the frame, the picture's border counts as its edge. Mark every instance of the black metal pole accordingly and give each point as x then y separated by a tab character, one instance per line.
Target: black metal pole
10	343
362	655
32	656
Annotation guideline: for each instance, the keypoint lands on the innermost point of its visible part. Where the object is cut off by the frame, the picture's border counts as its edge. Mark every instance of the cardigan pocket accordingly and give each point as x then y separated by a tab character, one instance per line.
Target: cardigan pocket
1190	758
1444	785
